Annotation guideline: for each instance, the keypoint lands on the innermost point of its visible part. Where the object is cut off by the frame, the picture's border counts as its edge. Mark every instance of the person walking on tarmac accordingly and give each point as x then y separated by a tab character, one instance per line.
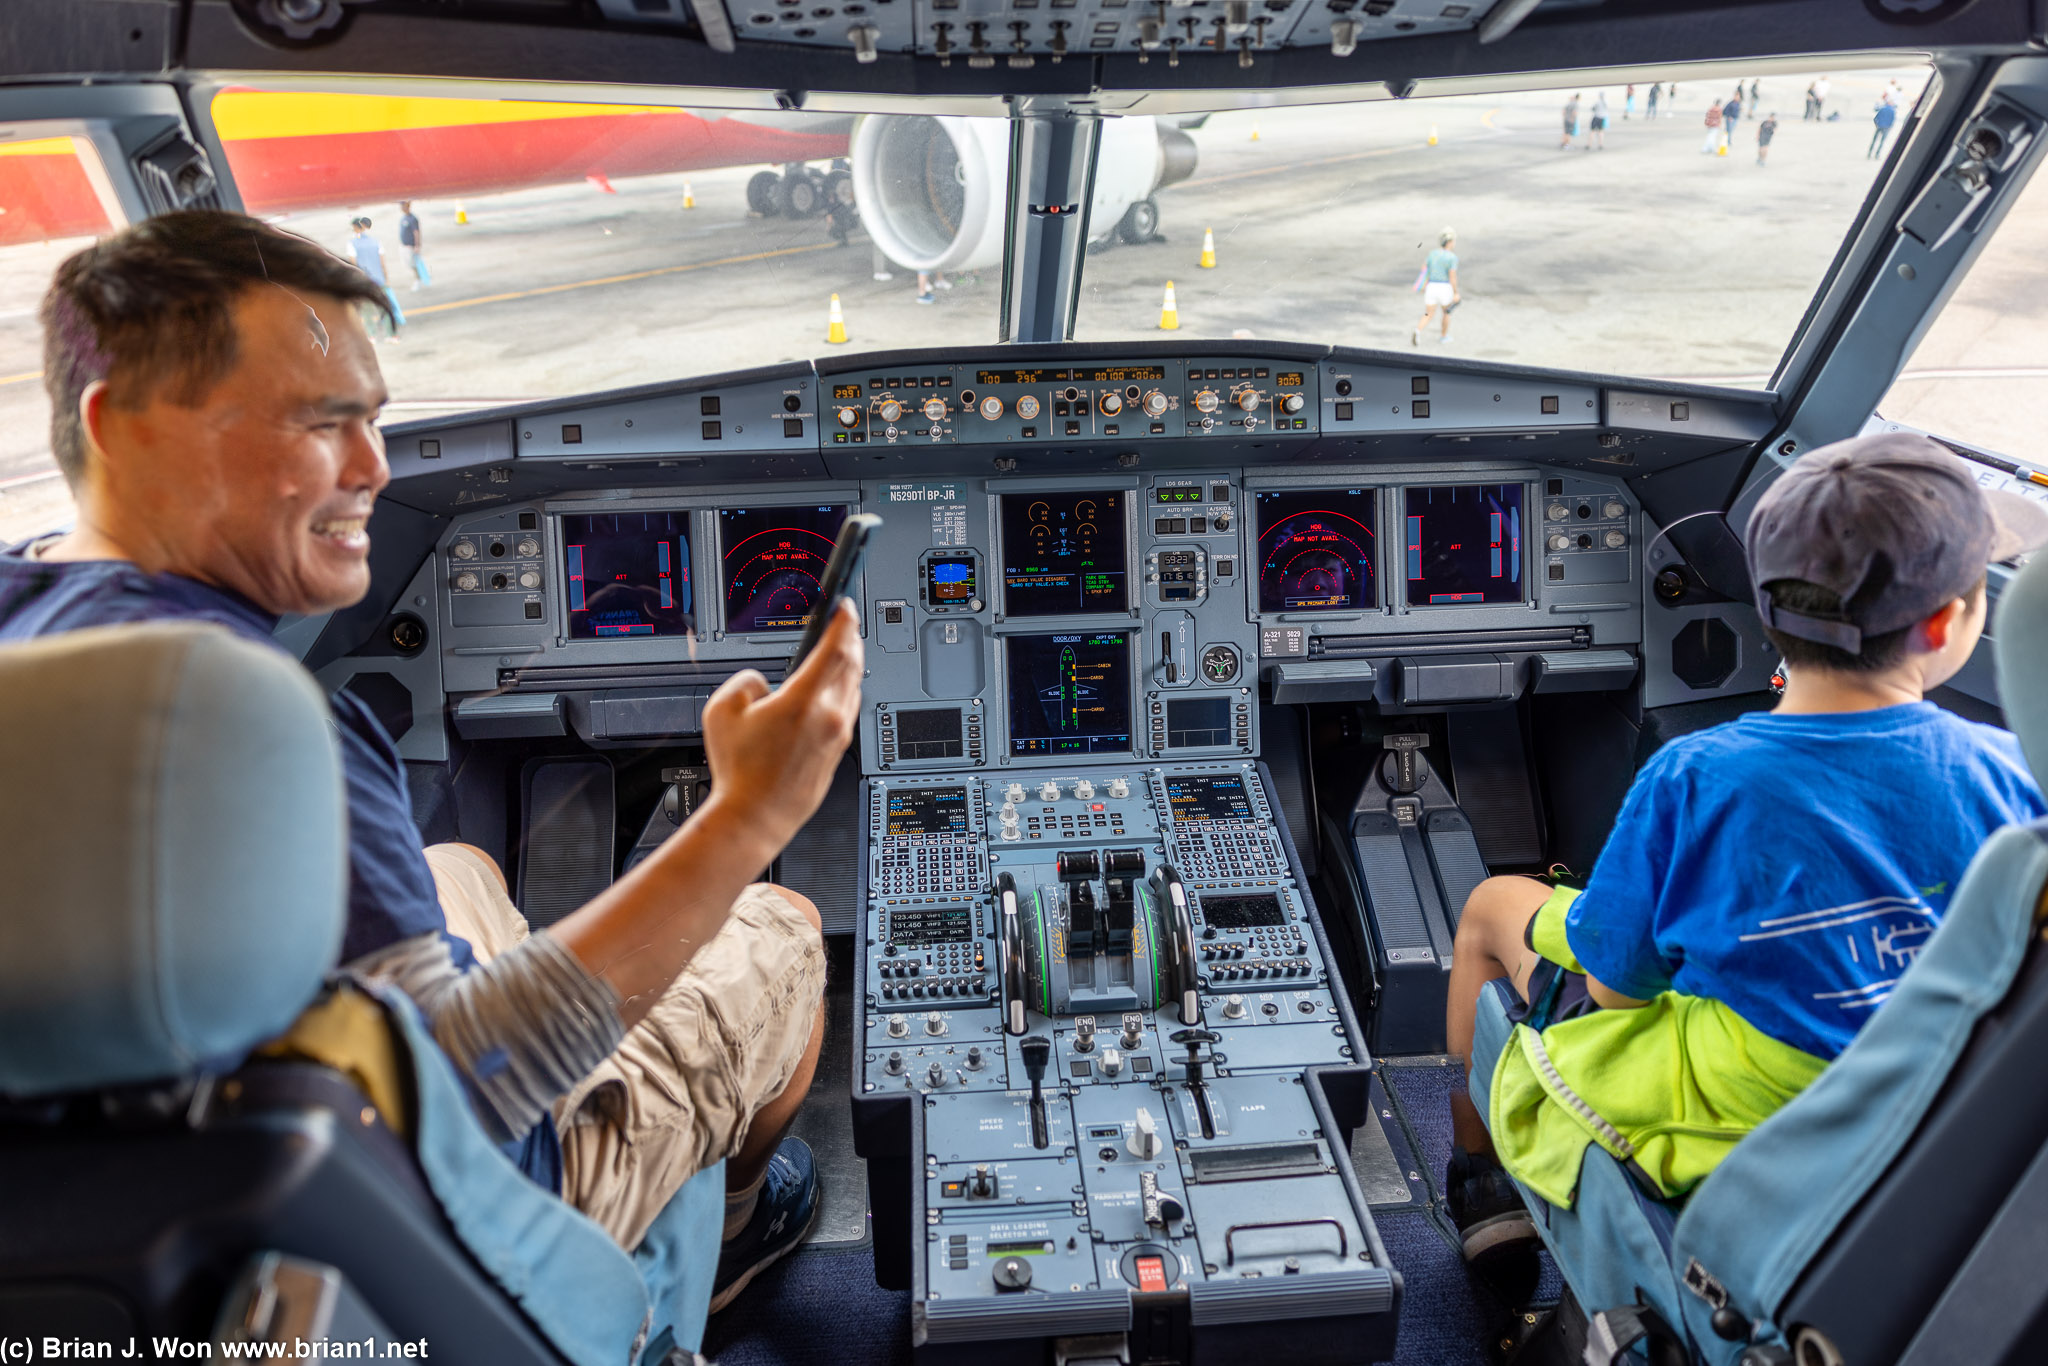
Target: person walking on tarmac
1439	285
1717	136
1596	135
414	241
1887	115
1571	122
1650	109
369	258
1765	131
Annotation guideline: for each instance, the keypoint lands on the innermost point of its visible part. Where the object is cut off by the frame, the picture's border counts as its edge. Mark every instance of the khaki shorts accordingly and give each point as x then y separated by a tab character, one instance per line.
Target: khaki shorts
686	1082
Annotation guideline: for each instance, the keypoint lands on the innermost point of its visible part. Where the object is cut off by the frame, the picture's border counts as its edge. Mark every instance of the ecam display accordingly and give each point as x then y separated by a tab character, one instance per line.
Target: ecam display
626	574
774	560
1064	553
1070	694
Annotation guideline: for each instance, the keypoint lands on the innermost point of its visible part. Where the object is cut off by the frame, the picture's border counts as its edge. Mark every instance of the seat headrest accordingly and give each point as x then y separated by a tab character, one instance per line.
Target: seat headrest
2019	635
172	830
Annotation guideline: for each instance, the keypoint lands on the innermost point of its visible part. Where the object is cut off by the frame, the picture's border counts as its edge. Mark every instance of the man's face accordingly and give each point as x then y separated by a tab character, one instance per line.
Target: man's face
266	486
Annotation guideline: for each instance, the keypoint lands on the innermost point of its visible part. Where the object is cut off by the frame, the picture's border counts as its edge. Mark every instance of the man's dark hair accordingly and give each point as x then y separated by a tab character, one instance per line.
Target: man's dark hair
1879	652
149	309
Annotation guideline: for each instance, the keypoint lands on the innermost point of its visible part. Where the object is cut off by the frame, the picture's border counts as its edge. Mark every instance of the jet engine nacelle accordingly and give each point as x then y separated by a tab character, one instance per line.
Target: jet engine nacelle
932	190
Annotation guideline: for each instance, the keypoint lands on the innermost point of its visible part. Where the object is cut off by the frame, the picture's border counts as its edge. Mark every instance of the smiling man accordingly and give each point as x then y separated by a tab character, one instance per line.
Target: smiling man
215	397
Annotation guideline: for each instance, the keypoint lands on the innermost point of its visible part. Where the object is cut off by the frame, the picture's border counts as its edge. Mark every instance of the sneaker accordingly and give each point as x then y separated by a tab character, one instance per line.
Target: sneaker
925	297
1492	1221
782	1220
1415	337
944	284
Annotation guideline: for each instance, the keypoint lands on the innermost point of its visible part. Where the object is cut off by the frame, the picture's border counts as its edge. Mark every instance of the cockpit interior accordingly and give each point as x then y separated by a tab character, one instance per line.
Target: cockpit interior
1226	627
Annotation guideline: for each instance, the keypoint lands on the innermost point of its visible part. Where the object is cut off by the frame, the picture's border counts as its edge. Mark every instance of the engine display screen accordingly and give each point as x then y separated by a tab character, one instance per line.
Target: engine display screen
1204	797
928	733
1463	544
627	574
928	811
1064	553
937	925
949	579
1070	694
1241	912
1316	550
774	563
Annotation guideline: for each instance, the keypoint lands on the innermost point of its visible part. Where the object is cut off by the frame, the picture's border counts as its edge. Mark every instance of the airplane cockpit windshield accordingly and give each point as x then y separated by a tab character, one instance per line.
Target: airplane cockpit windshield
1022	682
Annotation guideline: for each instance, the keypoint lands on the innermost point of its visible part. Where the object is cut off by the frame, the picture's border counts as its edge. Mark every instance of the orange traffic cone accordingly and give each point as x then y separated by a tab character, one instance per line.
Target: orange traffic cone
1169	311
835	324
1208	261
689	200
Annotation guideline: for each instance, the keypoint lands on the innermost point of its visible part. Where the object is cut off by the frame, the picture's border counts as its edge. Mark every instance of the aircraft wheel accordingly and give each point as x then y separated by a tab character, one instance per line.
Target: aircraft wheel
838	188
799	196
1140	223
761	193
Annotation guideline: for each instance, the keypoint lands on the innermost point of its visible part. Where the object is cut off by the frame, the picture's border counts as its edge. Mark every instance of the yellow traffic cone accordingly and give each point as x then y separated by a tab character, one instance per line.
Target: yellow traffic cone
1169	311
835	324
1432	135
1208	261
1722	150
461	215
1255	130
689	200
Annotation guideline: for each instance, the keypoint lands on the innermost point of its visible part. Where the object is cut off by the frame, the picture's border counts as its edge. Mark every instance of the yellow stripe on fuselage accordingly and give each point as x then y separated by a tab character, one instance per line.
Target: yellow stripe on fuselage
38	147
241	114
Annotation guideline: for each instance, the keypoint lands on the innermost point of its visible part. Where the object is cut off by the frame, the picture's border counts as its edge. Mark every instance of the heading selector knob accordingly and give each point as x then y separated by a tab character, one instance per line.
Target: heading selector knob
890	410
848	417
935	409
1206	401
991	407
1292	403
1248	399
1027	406
1155	404
1111	404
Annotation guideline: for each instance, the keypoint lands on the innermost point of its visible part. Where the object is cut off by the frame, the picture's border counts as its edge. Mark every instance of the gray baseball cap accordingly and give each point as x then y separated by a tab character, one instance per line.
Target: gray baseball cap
1896	524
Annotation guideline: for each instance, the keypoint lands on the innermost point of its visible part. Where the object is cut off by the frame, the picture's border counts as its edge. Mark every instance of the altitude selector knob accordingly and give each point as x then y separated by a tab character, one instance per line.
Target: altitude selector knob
1111	404
935	409
1292	403
890	411
1248	399
1155	404
1207	402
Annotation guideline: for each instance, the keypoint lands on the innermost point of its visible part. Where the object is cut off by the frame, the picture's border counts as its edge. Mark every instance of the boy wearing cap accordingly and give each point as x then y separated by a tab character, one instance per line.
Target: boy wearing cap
1768	880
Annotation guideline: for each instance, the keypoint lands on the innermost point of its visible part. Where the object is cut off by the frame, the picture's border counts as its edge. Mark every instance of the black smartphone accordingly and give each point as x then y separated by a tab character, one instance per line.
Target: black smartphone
847	553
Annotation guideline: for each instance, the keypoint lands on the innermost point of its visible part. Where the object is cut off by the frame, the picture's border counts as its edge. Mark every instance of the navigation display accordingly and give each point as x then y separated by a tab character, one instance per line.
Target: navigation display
773	561
1241	912
1204	797
1070	694
1316	551
1064	553
928	811
627	574
1463	544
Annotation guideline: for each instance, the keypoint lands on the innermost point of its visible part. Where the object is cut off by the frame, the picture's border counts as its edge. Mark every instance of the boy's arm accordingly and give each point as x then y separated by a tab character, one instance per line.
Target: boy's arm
1607	998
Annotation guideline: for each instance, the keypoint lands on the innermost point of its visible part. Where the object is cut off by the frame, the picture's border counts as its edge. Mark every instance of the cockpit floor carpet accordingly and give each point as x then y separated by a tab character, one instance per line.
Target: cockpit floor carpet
826	1121
565	846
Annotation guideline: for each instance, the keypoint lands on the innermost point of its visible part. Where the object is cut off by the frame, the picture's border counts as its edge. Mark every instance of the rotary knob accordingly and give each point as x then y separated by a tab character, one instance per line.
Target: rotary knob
1560	541
849	417
1206	401
1084	789
1027	406
1292	403
1221	521
1233	1007
1557	512
467	582
1014	792
529	579
528	548
1247	399
1614	508
991	407
934	1023
463	550
935	409
1119	789
898	1027
1049	791
1616	540
935	1075
1111	404
1155	404
890	411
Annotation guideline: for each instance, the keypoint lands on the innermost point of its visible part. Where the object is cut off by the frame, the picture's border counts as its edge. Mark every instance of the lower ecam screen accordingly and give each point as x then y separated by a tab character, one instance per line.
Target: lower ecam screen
626	574
1462	544
1064	553
1208	799
1316	550
773	564
1070	694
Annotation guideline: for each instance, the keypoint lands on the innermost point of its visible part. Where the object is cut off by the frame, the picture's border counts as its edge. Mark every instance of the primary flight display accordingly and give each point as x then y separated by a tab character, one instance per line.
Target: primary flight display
627	574
1464	544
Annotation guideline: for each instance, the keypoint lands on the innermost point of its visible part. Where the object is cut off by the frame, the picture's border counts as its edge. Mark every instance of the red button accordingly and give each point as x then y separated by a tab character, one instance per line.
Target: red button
1095	806
1151	1275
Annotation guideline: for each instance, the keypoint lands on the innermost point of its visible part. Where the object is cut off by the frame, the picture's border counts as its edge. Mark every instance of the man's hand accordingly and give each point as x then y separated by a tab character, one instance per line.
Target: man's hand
773	753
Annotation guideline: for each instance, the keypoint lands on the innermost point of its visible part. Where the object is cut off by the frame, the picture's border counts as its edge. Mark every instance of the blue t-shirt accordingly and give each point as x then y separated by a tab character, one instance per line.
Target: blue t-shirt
390	889
1439	264
1791	867
369	256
